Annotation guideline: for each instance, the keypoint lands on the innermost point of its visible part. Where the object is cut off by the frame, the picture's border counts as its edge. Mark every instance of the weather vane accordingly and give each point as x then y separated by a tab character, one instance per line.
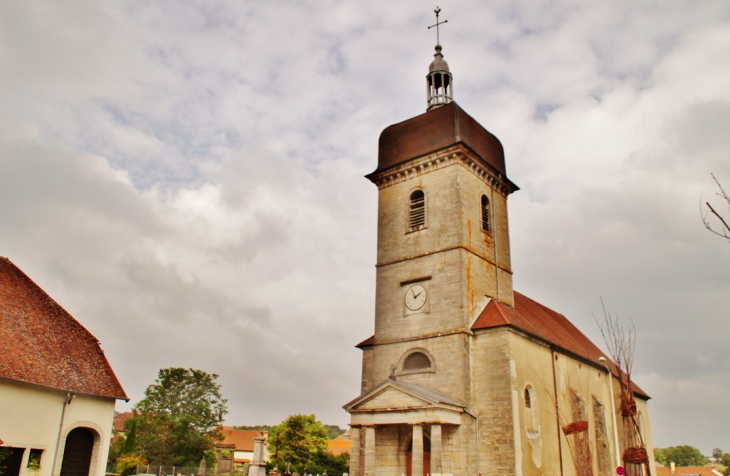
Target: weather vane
437	11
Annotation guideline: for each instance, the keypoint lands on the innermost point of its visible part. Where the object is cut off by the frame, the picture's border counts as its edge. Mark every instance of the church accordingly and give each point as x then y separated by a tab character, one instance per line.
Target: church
464	375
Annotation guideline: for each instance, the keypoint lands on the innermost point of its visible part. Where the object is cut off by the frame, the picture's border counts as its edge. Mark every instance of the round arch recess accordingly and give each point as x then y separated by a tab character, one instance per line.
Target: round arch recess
416	360
80	450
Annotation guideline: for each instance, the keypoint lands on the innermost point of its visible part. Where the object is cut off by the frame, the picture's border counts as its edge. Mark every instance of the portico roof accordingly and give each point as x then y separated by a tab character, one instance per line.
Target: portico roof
395	402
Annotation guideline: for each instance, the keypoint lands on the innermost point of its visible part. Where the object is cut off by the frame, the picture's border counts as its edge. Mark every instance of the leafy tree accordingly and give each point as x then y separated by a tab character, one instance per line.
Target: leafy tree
333	431
259	428
717	453
127	464
333	465
130	444
297	440
725	460
116	449
683	455
660	457
178	421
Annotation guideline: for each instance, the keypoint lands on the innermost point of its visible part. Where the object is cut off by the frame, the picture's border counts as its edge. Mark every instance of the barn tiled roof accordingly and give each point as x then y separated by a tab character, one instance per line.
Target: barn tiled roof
686	471
41	343
337	447
545	324
120	419
243	439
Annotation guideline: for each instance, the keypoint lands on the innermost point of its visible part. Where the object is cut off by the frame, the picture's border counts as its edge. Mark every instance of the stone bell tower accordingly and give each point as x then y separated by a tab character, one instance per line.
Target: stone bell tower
443	253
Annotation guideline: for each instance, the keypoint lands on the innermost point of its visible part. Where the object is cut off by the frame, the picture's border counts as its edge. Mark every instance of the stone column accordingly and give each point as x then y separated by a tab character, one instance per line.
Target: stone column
417	461
435	449
355	451
258	467
369	469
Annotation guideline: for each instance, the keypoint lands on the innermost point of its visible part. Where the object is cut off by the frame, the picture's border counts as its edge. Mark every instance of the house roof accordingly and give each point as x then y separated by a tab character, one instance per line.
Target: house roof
243	439
545	324
685	471
41	343
120	419
337	447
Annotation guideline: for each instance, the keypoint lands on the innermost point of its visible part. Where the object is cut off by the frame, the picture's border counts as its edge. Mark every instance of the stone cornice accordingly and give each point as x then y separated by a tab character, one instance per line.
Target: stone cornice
455	155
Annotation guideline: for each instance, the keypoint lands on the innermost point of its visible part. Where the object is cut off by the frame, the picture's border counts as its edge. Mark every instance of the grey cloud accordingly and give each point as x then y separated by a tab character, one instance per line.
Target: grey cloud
187	178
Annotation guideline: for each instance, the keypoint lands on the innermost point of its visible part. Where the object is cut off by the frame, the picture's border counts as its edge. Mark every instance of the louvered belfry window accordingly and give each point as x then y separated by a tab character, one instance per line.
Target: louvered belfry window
418	210
486	225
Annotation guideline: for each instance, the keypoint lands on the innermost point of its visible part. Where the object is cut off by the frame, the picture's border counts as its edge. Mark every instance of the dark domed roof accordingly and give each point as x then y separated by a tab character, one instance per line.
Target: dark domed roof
437	129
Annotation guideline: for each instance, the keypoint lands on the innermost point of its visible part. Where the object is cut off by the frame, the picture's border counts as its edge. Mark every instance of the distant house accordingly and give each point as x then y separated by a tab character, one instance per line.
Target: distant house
119	420
243	443
57	390
337	446
686	471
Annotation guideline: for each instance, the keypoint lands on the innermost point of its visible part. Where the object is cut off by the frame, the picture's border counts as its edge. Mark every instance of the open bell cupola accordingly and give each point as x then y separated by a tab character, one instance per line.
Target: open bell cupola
439	81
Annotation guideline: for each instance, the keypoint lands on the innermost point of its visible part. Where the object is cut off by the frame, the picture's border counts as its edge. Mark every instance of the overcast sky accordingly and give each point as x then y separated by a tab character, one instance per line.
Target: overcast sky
186	179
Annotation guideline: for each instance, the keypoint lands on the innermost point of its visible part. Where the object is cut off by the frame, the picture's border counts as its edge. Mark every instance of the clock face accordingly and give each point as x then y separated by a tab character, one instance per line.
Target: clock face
415	297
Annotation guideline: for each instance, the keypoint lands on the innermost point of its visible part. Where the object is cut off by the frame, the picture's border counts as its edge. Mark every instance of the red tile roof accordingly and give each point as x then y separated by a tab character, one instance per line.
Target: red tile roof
41	343
120	419
545	324
367	342
685	470
337	447
243	439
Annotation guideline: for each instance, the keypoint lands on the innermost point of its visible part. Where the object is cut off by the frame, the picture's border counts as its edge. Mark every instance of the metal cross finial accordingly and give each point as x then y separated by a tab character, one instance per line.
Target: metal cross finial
437	11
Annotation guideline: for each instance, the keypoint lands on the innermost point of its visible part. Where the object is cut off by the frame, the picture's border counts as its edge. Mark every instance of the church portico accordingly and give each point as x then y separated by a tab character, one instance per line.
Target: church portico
397	428
397	449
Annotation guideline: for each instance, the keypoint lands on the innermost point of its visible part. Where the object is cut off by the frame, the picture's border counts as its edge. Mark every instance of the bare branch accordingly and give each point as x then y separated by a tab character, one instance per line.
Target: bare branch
725	229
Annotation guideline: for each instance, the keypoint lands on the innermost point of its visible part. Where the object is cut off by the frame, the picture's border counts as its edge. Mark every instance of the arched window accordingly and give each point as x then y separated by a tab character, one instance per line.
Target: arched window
486	224
532	417
416	361
417	210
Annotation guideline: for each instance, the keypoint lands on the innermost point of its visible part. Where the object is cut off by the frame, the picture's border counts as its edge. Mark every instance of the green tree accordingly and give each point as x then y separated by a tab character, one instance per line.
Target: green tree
333	431
259	428
128	464
717	453
130	444
683	455
178	421
297	440
334	465
725	460
116	449
660	457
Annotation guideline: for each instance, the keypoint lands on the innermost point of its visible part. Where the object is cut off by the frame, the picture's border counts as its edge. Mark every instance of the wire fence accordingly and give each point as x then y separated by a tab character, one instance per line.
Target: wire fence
159	470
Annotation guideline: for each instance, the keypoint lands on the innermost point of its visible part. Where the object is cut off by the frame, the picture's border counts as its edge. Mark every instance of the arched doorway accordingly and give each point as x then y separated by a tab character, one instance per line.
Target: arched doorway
77	452
426	458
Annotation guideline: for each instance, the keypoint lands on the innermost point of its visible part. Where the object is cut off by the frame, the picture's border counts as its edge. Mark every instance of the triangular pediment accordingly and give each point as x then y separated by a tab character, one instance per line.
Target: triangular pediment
391	398
394	395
